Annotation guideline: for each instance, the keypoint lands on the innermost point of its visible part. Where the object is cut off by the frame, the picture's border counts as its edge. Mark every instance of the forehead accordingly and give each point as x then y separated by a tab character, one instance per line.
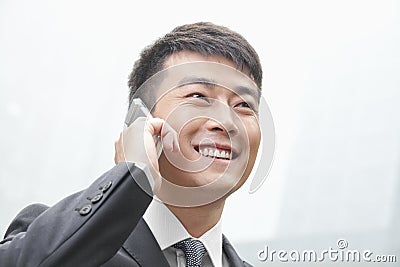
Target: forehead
190	56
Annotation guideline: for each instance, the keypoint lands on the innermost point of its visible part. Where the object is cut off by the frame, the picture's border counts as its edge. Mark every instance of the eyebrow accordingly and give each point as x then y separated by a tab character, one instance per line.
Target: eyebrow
240	90
193	80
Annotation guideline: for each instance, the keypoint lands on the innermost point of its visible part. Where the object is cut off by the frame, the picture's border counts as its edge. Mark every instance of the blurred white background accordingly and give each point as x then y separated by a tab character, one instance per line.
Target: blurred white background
331	80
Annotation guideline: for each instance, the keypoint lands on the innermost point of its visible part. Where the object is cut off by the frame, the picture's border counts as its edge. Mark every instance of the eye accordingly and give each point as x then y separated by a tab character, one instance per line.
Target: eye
247	108
245	105
199	96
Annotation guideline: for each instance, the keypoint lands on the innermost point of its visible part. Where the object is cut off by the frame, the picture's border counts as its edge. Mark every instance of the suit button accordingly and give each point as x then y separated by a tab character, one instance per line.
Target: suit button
96	198
105	187
85	210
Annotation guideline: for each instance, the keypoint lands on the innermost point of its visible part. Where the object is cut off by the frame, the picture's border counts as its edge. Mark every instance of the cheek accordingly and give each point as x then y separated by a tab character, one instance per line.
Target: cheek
164	106
255	143
160	111
186	133
254	135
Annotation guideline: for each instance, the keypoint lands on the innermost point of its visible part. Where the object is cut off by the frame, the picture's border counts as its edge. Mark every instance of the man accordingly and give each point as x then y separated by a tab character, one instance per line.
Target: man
140	212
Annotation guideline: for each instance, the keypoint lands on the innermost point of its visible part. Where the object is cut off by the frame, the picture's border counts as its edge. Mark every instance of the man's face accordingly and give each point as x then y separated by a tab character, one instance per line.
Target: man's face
230	140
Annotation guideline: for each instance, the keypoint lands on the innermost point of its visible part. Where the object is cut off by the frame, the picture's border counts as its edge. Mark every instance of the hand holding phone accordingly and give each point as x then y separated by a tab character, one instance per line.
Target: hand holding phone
138	109
140	140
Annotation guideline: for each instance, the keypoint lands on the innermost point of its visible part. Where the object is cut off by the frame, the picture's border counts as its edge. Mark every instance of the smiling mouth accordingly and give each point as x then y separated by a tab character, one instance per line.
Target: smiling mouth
218	153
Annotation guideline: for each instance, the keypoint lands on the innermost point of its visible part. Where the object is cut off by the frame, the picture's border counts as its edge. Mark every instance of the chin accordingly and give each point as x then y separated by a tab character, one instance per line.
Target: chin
191	179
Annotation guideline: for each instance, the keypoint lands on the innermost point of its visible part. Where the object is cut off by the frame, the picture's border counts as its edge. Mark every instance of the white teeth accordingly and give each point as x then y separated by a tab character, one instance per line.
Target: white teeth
215	153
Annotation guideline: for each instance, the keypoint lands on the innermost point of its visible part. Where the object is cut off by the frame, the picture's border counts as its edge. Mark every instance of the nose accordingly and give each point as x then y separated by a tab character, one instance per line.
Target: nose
223	120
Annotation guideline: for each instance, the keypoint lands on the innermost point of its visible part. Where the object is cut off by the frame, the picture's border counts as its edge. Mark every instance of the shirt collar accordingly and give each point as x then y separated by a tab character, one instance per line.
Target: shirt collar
168	230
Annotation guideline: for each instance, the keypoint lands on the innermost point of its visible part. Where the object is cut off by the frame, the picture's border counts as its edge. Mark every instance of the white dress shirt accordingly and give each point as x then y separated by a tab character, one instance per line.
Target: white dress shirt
168	230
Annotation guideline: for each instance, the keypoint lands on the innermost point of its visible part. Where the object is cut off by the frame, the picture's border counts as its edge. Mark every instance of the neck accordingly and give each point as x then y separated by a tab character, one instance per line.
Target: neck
198	220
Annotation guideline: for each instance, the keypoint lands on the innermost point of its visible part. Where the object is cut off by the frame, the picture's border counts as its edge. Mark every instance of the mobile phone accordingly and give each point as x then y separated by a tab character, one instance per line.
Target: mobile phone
139	109
136	110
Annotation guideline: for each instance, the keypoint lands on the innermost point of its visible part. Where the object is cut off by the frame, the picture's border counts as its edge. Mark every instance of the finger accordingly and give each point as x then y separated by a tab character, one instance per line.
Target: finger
171	137
154	126
118	153
176	147
168	141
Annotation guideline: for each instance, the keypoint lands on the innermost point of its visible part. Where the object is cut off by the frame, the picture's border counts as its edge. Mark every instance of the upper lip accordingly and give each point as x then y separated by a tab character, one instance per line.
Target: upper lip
216	145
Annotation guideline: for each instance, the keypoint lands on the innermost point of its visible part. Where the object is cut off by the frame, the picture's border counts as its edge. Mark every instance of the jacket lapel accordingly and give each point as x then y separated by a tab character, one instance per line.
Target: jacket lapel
233	257
143	247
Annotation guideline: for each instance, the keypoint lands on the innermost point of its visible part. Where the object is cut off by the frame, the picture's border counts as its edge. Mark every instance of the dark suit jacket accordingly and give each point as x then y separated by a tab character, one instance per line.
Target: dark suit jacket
100	226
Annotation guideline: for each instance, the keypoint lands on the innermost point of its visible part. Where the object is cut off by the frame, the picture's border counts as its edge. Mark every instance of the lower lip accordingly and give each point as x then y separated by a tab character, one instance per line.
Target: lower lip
218	160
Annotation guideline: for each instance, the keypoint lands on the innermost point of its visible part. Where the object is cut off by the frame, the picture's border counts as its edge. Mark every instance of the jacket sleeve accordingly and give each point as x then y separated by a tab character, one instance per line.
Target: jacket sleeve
84	229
